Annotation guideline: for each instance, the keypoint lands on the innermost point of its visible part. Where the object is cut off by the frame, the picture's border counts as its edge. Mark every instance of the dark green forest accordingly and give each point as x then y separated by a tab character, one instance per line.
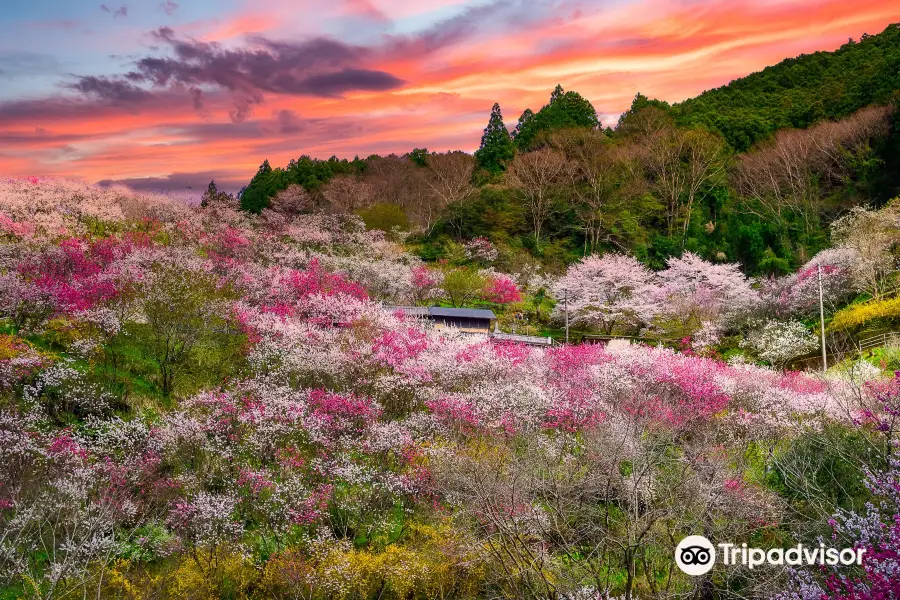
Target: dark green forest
752	172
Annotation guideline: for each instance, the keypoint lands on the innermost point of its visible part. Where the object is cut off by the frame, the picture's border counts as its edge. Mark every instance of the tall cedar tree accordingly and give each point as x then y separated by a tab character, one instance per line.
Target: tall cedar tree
212	192
566	110
256	194
496	144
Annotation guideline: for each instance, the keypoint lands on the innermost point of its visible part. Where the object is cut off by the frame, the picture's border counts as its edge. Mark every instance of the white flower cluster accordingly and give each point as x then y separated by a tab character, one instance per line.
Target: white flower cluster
778	341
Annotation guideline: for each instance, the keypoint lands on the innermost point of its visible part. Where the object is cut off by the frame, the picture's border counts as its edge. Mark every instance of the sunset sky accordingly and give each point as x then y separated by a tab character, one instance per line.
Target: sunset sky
162	95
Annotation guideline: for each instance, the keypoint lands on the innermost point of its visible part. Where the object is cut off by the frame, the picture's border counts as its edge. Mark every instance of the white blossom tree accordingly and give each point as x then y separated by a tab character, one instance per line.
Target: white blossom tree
606	292
777	342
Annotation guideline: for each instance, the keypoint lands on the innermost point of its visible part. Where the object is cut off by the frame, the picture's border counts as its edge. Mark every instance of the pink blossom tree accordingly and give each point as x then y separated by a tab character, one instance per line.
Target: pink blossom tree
692	291
606	292
501	290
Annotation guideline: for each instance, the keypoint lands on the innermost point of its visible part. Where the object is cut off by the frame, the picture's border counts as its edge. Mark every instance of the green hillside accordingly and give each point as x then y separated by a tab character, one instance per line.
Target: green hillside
708	175
797	92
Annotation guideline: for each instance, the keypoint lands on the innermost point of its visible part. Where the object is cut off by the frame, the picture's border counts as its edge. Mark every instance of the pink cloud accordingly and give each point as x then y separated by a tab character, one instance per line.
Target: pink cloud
438	86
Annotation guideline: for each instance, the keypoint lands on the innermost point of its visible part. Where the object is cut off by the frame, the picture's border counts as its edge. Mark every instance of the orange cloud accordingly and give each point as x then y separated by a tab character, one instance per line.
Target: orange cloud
663	49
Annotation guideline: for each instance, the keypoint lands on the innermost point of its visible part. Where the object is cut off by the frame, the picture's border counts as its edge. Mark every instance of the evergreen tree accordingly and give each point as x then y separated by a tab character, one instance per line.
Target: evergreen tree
565	110
557	93
526	117
256	194
419	157
211	194
496	144
641	102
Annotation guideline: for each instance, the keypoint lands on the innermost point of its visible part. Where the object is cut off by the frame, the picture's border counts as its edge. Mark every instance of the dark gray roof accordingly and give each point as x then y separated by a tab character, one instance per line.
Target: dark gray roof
470	313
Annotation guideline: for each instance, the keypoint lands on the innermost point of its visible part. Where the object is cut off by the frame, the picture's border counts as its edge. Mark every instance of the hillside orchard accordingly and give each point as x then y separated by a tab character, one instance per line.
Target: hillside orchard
205	403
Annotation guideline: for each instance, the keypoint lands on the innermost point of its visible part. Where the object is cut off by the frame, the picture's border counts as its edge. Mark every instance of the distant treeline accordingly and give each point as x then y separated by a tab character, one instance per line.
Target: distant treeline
752	172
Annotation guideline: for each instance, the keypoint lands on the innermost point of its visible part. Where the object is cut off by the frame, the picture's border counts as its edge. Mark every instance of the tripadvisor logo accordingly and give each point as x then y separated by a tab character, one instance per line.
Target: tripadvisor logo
695	555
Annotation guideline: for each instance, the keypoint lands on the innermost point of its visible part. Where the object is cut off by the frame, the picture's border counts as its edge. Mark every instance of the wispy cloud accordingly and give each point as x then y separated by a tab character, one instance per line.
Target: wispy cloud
122	11
168	7
351	77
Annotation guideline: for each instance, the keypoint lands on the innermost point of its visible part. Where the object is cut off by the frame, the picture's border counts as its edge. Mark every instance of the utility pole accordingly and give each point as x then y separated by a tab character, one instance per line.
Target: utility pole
566	304
822	319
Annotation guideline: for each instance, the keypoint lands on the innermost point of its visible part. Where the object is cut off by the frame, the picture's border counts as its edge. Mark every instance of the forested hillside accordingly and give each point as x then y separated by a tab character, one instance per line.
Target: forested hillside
753	172
800	91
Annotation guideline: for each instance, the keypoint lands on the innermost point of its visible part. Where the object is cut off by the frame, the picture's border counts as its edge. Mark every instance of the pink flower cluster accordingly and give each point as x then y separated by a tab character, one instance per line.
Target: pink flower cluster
502	290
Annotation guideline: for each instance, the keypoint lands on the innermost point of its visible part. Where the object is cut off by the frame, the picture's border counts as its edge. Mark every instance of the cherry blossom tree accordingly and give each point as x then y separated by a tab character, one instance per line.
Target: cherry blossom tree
606	292
326	447
777	342
692	291
798	293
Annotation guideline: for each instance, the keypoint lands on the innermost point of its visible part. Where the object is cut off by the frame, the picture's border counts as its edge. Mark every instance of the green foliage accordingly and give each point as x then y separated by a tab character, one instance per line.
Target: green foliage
492	213
496	145
822	470
419	157
566	110
800	91
641	102
463	285
311	173
263	186
386	217
183	321
626	207
143	546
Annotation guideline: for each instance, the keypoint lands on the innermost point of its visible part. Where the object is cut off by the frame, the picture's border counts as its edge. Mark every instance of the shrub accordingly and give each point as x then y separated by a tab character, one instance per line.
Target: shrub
859	315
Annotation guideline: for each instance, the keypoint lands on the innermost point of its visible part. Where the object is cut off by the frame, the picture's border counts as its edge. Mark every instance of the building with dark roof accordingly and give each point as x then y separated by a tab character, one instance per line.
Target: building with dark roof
409	311
469	320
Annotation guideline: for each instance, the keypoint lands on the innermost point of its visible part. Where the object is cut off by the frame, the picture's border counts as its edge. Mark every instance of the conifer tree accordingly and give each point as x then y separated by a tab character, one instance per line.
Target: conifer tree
565	110
556	93
211	194
256	195
496	144
526	117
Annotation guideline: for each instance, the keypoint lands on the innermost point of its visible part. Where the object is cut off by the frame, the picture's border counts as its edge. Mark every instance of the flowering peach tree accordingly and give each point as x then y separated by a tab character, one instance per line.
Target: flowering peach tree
199	403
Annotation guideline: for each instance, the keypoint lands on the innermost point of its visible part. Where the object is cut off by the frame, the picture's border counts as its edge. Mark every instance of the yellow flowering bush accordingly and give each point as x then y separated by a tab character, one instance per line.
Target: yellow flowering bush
436	562
858	315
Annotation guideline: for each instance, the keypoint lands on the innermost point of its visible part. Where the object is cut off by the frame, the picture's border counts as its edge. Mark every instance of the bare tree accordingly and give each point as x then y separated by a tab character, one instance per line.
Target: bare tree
605	177
789	175
782	178
394	180
347	193
537	176
449	178
644	123
291	201
680	163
